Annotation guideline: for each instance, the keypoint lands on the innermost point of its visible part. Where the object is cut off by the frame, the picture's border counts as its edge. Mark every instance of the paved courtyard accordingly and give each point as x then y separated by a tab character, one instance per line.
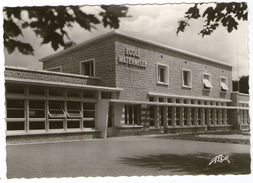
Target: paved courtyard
126	156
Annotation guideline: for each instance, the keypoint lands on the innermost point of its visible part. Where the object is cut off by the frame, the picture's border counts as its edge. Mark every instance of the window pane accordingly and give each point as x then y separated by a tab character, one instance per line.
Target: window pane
15	109
56	92
15	88
88	114
56	125
36	104
87	70
161	74
73	124
55	104
89	124
88	106
106	95
89	94
12	103
36	90
15	113
73	93
20	125
185	74
38	125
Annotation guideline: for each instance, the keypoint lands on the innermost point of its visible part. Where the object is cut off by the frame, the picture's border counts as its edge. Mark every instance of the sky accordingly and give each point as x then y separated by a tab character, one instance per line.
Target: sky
157	23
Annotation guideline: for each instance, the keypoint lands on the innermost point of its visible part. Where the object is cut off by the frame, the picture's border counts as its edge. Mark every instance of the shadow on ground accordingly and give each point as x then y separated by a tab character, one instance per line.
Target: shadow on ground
194	137
192	164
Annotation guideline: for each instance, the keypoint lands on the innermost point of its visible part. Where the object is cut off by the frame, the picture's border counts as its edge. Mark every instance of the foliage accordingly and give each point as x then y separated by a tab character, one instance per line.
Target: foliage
243	84
221	14
52	23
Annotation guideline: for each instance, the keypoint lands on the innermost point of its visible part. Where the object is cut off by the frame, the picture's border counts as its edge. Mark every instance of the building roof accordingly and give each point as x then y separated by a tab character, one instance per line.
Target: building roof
120	34
49	78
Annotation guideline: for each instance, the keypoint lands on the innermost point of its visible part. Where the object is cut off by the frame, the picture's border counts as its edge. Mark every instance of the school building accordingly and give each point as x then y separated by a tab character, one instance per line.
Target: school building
116	85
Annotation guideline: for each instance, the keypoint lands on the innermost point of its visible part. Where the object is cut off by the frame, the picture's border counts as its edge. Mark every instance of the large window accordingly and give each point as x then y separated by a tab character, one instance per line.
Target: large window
56	92
36	109
73	110
224	84
162	74
87	67
15	114
37	115
186	78
74	115
15	89
36	90
88	115
207	81
89	94
15	108
56	109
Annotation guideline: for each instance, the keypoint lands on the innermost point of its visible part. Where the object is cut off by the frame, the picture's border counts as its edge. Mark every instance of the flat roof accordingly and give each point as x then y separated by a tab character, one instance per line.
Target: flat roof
124	35
55	83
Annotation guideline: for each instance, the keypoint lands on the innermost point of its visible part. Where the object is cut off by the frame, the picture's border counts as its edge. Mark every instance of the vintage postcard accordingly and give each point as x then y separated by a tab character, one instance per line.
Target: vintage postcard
126	89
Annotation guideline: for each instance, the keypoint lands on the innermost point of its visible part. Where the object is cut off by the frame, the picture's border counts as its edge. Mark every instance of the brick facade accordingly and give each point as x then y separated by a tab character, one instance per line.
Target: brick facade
137	81
101	51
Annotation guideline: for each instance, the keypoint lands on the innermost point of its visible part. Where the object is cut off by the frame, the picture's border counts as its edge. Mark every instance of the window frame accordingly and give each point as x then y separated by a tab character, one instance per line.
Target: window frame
70	112
52	69
226	79
210	80
81	68
166	74
190	82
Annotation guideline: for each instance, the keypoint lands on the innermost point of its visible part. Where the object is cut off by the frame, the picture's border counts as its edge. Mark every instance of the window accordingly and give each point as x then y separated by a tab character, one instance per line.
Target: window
223	84
207	81
87	68
162	74
55	69
15	89
88	115
56	92
73	93
106	95
89	94
187	78
56	109
73	110
15	108
36	90
36	109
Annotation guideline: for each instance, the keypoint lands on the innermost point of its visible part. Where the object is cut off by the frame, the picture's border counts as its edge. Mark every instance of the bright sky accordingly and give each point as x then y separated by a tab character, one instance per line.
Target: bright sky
157	23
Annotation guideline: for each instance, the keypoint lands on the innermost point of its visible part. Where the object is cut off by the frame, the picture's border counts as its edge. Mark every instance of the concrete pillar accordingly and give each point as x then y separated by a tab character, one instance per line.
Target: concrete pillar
208	115
219	114
202	114
214	118
245	116
47	110
165	117
173	112
156	114
195	114
181	113
26	110
189	123
101	116
224	115
139	114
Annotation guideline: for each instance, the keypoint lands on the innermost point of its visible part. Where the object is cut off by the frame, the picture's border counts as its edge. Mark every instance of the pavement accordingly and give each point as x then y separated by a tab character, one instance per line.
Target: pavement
126	156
